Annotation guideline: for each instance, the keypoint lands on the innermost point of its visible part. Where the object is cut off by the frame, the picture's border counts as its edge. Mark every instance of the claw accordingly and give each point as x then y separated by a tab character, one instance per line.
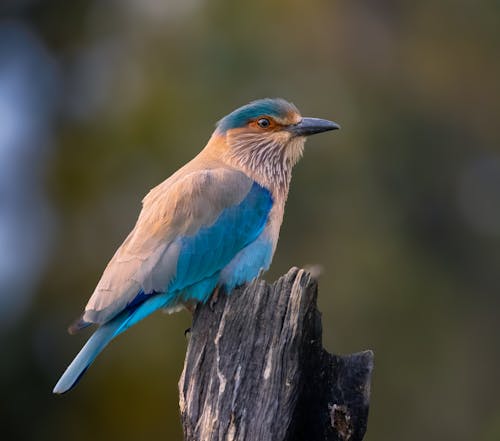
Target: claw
214	297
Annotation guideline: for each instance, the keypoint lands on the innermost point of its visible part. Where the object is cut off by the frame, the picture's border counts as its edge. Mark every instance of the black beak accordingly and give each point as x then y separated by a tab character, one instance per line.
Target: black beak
310	126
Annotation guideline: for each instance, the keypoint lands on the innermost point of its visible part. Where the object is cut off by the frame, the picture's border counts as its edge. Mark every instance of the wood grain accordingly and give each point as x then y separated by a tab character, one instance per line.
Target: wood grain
255	369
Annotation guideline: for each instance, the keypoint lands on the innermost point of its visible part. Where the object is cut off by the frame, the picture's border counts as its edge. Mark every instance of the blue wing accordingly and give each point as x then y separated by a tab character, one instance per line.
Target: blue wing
207	252
202	256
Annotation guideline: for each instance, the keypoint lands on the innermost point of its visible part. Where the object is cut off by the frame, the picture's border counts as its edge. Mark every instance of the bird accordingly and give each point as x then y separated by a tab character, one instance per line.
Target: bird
211	226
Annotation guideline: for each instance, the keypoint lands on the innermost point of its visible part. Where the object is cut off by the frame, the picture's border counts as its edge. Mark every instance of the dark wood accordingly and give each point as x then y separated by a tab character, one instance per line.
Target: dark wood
255	370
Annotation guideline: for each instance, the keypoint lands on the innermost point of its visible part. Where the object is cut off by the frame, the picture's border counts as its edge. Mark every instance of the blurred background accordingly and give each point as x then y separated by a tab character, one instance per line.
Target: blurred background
100	100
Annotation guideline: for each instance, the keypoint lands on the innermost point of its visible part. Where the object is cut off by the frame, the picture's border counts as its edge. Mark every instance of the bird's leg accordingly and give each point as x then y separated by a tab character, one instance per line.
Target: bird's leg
191	307
214	297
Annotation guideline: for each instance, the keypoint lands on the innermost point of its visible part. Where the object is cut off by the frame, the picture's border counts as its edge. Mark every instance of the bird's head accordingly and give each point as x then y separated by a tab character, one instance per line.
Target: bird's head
266	137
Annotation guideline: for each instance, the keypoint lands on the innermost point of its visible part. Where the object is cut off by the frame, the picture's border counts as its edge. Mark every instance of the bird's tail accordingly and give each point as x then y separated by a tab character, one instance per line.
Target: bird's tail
101	337
95	344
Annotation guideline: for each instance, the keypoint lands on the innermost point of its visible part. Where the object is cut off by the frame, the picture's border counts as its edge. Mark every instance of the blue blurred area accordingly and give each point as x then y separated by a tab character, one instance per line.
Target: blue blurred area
102	100
28	102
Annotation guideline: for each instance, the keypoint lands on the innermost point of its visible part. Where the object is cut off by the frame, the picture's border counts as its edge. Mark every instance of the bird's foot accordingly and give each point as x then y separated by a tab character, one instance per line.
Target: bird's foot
186	332
213	298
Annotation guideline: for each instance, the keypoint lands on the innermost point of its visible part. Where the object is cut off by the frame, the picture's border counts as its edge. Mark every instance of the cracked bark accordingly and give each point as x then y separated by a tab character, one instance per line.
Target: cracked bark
255	369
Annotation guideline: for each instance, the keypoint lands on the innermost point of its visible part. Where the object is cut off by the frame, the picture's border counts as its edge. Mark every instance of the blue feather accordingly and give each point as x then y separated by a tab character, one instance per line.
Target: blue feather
102	336
206	253
141	297
247	264
96	343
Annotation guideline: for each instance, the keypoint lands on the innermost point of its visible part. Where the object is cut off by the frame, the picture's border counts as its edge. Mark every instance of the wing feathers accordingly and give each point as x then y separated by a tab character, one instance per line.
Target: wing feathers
147	260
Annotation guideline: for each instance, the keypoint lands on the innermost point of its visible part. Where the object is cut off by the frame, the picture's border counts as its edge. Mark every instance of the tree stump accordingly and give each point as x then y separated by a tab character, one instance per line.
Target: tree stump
255	370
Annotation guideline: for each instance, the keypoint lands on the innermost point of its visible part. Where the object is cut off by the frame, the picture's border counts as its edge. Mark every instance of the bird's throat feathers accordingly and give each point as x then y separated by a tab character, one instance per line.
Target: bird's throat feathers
267	158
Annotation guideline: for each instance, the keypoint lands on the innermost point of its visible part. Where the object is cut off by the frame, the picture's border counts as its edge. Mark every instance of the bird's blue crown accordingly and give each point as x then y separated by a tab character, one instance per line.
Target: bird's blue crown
274	107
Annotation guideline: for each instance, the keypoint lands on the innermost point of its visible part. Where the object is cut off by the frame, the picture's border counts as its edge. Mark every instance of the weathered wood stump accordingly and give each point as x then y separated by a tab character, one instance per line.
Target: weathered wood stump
255	370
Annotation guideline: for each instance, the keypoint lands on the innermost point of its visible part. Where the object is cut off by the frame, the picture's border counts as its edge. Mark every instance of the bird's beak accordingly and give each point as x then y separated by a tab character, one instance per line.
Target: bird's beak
310	126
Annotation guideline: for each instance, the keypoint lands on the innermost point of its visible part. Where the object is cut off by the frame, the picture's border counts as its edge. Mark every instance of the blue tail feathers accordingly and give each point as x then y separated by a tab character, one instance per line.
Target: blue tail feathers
102	336
96	343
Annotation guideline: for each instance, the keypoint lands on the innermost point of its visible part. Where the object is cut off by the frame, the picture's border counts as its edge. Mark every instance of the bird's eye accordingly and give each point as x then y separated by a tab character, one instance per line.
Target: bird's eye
263	123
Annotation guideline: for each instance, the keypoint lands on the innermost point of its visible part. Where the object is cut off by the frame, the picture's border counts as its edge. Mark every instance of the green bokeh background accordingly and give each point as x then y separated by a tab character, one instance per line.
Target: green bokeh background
391	206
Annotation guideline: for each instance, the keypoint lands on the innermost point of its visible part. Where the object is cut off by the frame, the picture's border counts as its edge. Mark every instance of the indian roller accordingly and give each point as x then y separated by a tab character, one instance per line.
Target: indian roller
214	224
